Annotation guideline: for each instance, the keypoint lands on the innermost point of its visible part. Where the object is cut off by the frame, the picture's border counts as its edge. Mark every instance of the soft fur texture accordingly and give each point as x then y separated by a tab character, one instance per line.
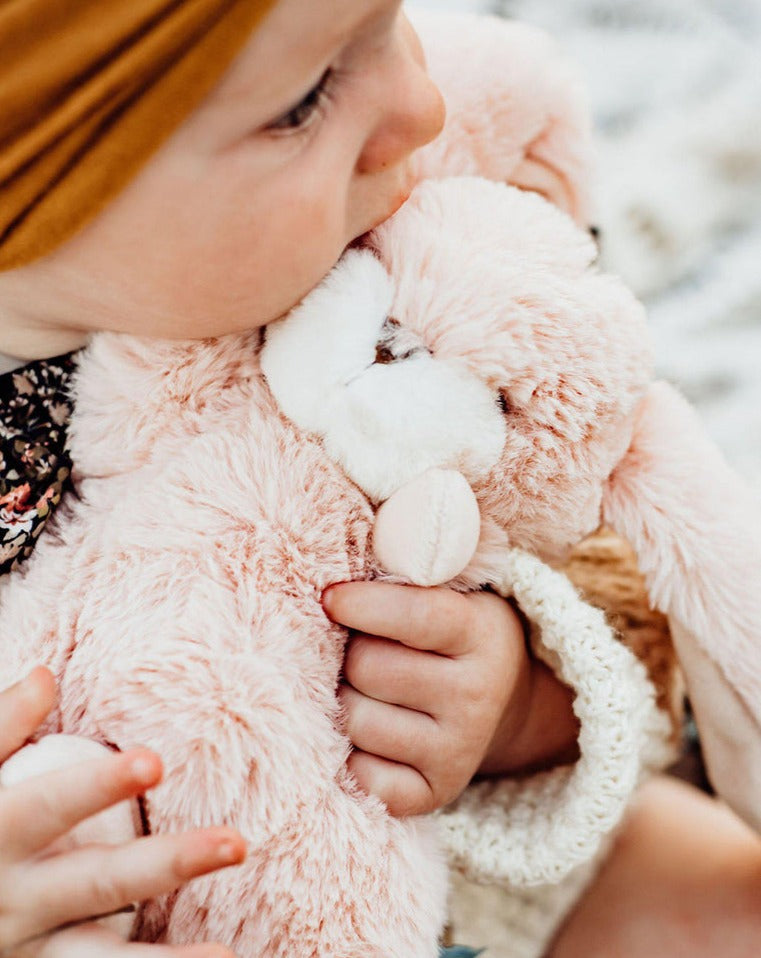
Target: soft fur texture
696	528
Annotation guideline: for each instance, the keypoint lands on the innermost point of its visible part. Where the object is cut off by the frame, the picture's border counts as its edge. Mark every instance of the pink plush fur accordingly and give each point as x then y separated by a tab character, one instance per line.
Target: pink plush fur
696	528
177	599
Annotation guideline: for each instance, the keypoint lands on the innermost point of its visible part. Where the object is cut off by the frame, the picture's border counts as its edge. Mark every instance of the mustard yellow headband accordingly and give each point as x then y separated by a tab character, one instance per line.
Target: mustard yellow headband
88	90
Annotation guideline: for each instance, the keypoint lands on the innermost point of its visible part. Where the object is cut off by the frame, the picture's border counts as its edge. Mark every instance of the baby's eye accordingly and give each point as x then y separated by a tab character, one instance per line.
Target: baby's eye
299	115
504	405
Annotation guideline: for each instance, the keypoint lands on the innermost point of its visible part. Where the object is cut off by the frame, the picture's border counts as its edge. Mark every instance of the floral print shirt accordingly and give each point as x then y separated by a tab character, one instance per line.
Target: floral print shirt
35	467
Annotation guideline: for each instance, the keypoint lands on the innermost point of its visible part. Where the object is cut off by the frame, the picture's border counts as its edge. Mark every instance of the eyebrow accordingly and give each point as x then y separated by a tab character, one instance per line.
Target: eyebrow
238	88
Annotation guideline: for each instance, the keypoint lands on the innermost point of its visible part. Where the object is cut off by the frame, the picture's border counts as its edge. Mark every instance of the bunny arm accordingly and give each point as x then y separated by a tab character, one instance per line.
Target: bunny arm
209	680
696	529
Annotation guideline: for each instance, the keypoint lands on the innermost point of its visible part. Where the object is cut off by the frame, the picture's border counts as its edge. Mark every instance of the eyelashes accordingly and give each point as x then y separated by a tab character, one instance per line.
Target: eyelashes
299	116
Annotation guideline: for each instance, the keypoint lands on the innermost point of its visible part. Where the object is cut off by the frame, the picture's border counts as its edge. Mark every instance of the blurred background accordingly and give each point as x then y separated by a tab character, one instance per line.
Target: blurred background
675	86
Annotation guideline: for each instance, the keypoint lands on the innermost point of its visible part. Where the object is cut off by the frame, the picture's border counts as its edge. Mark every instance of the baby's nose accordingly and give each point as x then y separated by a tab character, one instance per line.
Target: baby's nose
429	104
414	116
433	113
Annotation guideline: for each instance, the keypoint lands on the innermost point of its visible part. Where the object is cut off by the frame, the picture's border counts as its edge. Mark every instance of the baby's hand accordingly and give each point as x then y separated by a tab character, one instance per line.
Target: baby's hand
39	893
432	678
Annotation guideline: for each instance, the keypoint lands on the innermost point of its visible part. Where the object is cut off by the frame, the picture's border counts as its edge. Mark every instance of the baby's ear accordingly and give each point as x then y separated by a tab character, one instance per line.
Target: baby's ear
517	111
696	529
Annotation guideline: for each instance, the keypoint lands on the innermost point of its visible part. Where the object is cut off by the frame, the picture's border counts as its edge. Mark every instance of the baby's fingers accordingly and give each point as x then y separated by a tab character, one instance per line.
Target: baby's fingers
431	620
92	941
36	812
22	708
99	880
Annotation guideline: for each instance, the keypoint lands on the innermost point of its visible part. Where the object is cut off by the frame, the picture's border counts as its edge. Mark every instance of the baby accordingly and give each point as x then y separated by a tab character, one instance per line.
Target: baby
314	123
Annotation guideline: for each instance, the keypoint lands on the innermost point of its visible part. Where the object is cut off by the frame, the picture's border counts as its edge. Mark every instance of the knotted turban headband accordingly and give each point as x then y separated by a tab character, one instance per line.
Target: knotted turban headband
88	90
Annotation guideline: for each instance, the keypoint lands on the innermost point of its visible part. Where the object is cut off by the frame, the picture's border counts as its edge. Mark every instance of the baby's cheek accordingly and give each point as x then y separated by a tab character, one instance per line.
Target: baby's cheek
249	275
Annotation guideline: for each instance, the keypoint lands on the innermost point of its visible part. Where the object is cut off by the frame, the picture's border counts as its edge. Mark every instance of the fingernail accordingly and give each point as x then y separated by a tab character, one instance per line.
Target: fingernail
144	770
217	951
30	681
36	688
230	853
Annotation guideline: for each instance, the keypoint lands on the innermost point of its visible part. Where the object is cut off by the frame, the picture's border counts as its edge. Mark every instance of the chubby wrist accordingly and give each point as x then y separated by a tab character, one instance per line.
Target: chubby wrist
538	729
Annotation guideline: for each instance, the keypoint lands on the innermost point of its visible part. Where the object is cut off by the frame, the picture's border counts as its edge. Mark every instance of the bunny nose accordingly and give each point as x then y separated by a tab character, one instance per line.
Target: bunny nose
428	531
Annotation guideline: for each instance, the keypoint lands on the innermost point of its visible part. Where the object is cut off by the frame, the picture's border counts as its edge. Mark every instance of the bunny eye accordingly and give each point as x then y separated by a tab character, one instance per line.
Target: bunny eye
503	403
397	343
384	354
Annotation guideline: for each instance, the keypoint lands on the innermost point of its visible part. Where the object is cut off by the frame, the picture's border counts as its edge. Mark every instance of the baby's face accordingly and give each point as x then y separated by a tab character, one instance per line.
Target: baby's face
303	147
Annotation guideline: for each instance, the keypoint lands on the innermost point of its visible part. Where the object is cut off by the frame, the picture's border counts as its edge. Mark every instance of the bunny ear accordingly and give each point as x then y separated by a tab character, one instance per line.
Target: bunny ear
517	109
696	529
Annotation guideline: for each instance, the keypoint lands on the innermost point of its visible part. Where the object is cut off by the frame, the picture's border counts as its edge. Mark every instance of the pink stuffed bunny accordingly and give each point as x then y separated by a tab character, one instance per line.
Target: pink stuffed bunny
207	526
